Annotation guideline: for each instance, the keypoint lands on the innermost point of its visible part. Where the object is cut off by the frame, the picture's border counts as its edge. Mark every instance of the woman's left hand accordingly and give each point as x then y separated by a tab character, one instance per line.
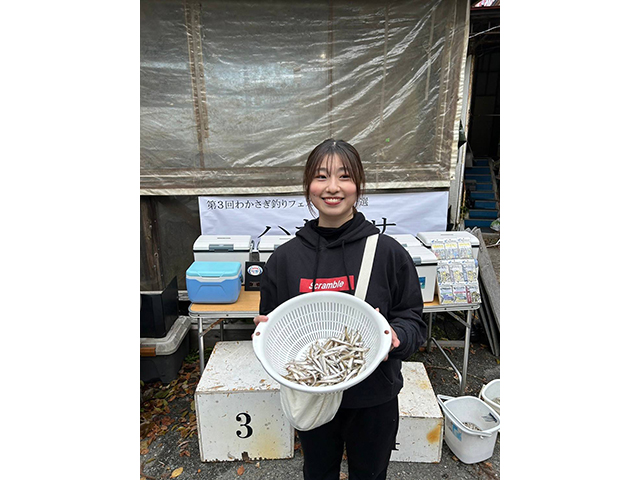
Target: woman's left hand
395	342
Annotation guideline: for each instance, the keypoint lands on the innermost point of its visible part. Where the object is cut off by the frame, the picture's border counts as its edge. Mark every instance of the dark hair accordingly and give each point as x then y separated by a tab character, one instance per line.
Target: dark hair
337	149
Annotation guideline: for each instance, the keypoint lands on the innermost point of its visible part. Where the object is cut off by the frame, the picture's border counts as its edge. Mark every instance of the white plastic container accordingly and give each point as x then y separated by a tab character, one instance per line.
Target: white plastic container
407	240
427	267
490	393
222	248
269	243
427	237
470	446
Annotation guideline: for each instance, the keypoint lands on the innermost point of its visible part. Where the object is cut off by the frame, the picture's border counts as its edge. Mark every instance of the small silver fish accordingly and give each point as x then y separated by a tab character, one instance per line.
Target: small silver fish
472	426
330	361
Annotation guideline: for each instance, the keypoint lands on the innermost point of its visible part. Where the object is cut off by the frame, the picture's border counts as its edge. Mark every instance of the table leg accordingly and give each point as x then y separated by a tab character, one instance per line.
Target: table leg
467	342
201	344
429	332
222	331
446	357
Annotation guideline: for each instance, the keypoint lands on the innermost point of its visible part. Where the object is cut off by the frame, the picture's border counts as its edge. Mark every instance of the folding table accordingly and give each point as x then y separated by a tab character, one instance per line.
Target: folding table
248	304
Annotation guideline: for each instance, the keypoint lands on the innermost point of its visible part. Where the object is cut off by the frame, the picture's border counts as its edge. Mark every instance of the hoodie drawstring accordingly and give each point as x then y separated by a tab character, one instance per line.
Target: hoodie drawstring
315	269
344	263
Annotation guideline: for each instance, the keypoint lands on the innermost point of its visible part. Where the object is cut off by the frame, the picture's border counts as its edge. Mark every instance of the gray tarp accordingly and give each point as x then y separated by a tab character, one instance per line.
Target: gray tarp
234	95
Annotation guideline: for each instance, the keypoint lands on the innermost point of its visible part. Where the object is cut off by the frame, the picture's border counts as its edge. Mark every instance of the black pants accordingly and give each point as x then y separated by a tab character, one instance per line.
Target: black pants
369	434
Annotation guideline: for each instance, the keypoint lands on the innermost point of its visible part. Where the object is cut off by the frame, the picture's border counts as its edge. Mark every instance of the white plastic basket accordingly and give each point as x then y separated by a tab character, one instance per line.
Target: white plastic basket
470	446
302	320
490	393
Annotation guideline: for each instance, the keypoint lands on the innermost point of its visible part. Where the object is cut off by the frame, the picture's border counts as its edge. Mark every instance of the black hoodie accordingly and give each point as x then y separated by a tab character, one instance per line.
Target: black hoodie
310	263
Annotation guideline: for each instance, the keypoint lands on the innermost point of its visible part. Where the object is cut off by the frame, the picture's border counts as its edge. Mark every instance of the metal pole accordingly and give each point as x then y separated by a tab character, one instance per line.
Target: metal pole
446	357
201	344
467	341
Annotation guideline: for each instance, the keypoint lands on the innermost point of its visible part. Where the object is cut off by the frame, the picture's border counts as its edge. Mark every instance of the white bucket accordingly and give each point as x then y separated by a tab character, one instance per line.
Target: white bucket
490	394
470	446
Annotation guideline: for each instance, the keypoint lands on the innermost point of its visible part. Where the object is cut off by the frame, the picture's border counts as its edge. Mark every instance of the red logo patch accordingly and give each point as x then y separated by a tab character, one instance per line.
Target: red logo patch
337	284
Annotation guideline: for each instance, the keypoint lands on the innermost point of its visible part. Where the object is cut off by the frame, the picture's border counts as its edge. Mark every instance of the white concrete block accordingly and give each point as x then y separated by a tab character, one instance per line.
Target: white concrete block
238	408
420	431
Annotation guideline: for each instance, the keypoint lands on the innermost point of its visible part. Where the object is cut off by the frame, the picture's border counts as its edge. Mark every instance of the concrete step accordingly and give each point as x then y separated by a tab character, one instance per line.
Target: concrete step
477	186
478	170
480	162
486	204
482	195
477	177
480	213
477	222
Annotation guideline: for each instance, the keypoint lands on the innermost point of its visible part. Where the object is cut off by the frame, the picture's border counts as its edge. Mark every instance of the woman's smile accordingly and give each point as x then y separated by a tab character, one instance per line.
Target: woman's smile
332	200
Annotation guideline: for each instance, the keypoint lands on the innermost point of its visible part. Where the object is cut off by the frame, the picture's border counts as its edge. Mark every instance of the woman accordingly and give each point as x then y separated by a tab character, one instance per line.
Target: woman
326	255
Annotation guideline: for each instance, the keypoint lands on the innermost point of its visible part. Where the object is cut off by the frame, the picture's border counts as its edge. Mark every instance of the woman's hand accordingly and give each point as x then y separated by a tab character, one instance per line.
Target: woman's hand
395	342
258	319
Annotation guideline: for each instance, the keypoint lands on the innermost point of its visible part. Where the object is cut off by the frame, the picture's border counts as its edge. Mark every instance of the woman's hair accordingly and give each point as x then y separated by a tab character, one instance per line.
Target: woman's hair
336	149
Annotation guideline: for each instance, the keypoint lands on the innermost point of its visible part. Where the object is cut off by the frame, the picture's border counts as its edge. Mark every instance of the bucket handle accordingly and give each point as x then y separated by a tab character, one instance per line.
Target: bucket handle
484	387
488	400
483	433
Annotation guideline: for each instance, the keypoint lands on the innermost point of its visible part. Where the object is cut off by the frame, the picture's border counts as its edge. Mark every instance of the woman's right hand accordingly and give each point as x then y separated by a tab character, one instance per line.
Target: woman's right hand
260	318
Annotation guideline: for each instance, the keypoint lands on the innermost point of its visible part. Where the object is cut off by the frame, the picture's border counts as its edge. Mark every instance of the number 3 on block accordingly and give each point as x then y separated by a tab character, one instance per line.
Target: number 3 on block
247	420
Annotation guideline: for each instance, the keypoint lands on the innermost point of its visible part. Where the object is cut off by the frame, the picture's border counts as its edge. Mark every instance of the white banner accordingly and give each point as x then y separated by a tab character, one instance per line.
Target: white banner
284	215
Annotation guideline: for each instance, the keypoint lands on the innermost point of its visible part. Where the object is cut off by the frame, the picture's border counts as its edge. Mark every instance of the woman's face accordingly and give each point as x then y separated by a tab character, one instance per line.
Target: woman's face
333	193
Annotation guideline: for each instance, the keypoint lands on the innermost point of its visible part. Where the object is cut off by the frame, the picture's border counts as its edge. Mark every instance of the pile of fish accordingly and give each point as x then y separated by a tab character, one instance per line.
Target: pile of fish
472	426
329	361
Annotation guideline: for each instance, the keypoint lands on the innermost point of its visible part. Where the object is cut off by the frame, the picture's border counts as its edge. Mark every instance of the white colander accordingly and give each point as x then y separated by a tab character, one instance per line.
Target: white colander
302	320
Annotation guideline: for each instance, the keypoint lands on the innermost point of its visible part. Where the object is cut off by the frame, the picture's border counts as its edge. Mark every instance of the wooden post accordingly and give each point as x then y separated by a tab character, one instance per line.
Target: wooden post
492	334
482	313
196	67
489	278
150	242
330	42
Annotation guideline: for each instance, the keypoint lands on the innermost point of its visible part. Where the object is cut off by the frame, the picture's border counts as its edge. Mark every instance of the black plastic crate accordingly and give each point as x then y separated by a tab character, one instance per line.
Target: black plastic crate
164	367
165	360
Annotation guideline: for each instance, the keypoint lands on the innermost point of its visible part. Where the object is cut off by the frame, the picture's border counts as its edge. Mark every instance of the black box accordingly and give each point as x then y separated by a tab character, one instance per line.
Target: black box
164	368
159	311
253	272
168	354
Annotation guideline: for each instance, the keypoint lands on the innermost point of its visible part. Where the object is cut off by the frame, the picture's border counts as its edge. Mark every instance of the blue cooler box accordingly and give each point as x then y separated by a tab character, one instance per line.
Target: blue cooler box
214	282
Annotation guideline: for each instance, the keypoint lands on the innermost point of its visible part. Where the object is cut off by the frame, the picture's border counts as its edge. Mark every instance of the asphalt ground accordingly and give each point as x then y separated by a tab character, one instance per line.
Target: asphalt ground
169	434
